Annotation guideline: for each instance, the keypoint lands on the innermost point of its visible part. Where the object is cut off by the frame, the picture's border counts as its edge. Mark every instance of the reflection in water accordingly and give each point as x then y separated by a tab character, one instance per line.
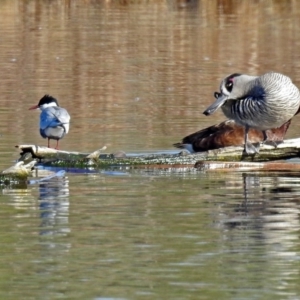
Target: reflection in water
273	200
53	202
20	197
159	232
54	206
264	224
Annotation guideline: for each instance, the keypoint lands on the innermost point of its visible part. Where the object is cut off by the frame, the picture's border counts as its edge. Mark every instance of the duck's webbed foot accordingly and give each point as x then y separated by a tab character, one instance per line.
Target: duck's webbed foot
251	149
269	141
272	143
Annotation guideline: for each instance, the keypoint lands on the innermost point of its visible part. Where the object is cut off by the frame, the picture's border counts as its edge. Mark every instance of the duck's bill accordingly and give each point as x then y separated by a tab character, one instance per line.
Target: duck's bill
221	99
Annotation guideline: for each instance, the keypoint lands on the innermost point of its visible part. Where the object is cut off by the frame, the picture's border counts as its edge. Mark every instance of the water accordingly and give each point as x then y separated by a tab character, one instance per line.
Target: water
136	76
152	235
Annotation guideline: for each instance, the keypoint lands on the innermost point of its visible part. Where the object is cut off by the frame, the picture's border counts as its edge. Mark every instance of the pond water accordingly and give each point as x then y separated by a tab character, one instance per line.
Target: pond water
136	76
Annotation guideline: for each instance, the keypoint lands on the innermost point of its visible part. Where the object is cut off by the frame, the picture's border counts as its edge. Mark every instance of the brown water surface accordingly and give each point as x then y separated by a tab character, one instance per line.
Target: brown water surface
137	75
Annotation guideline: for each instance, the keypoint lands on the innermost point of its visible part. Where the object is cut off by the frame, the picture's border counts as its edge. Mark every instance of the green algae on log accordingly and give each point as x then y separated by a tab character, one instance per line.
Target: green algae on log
57	158
19	172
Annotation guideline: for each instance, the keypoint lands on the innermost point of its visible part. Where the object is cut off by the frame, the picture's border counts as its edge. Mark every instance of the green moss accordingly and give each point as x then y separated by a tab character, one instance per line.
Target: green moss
19	179
79	160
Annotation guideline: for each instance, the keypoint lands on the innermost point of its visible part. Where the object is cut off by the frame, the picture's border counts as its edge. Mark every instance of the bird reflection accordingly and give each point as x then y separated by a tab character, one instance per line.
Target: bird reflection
270	207
54	206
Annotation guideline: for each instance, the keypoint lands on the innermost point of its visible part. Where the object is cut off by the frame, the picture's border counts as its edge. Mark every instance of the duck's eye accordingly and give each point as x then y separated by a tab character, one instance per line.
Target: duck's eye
229	85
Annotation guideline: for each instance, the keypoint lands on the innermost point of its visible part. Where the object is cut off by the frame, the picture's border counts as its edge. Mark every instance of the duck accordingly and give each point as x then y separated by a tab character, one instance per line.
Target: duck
228	133
54	120
264	102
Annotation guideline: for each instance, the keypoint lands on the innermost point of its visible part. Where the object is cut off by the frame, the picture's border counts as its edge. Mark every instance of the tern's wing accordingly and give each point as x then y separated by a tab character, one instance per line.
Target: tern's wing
54	116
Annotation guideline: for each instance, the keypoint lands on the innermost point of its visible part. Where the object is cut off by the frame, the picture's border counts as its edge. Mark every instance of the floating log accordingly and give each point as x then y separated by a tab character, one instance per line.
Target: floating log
20	169
18	173
42	152
58	158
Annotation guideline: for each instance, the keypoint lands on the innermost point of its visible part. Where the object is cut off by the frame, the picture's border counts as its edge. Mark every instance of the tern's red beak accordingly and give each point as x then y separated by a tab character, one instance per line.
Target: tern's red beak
34	107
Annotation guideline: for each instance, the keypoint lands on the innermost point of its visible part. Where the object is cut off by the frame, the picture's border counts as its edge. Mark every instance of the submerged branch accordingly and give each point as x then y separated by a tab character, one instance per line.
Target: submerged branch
247	166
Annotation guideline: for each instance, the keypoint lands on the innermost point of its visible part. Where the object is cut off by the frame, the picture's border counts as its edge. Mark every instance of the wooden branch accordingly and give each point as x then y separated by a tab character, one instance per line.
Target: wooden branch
287	149
97	159
20	169
42	152
17	174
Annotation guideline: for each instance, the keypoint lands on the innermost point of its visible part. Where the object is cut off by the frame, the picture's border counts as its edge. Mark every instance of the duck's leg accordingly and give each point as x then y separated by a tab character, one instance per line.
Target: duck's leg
48	143
265	137
269	138
56	145
249	148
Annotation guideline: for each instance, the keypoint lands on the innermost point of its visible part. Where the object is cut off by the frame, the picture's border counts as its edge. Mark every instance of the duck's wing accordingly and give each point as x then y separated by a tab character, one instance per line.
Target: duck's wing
224	134
228	133
223	127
